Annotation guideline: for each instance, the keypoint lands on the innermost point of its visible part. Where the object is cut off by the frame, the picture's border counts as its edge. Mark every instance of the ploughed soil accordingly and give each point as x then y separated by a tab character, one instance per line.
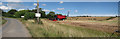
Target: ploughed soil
102	26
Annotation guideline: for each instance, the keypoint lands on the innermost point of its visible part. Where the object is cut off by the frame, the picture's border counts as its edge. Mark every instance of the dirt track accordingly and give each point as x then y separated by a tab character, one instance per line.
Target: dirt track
14	28
106	27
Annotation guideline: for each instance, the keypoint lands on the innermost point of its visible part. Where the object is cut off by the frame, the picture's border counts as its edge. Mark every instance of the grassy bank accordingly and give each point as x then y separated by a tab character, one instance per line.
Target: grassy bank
3	21
53	29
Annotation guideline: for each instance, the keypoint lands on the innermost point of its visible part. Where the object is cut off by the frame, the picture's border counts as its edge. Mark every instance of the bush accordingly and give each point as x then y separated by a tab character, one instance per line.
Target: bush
7	15
110	18
29	15
51	15
21	13
43	15
12	11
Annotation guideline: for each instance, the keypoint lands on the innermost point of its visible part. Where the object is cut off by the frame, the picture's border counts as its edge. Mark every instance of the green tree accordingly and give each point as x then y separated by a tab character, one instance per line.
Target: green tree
21	13
29	15
3	13
7	15
12	11
51	14
43	15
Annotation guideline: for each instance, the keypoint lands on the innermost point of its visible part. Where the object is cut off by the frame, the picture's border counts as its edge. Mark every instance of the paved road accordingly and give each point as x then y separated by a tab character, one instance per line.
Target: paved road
14	28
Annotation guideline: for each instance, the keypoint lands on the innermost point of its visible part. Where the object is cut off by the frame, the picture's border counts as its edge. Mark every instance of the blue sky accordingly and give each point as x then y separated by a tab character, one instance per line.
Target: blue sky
75	8
60	0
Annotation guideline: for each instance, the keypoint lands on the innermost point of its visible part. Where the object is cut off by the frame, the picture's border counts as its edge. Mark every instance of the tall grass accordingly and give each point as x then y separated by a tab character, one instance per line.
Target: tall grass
53	29
3	21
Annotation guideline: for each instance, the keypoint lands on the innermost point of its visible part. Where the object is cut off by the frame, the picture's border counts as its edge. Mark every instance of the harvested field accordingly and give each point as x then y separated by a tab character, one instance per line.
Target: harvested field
106	26
88	18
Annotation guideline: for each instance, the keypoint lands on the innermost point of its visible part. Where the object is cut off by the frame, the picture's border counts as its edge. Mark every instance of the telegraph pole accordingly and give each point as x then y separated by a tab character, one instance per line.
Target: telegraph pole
68	13
38	10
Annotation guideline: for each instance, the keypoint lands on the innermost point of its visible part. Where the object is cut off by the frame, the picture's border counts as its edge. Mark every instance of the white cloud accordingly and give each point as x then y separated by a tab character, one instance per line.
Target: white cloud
18	5
43	4
74	15
5	7
46	10
20	9
61	2
34	8
76	11
53	10
13	1
60	8
15	5
35	4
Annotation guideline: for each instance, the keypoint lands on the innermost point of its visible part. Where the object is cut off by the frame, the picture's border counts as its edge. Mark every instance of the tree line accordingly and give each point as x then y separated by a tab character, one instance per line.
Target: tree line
28	14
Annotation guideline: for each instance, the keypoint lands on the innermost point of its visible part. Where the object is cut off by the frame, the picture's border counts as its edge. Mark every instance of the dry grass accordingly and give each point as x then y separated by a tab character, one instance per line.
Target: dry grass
88	18
53	29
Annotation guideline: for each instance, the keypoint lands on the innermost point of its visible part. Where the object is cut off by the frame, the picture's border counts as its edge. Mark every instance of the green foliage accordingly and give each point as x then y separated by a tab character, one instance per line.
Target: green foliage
51	15
20	13
3	21
7	15
110	18
2	11
43	15
35	10
12	11
29	15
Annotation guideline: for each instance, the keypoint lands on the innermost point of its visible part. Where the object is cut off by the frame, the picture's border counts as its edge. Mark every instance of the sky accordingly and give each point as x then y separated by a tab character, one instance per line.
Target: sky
76	7
60	0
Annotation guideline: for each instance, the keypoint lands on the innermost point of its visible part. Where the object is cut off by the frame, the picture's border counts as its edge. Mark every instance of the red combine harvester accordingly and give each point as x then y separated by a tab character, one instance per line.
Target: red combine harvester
58	17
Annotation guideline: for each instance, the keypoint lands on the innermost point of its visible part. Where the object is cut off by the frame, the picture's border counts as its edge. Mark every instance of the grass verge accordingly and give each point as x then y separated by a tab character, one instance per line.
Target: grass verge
53	29
3	21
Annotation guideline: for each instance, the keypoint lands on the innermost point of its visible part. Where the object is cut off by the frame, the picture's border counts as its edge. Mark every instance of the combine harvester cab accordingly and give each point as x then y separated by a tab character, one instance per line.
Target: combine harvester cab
61	17
58	18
